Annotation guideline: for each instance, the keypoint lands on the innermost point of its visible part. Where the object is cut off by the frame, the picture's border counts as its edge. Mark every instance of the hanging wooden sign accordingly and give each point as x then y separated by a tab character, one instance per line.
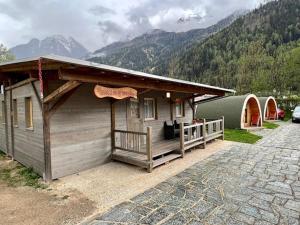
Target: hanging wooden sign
117	93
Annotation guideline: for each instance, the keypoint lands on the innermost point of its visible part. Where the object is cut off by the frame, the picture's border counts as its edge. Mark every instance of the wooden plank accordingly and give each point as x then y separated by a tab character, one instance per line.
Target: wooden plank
130	132
60	102
149	149
113	124
131	81
11	122
6	120
182	139
47	149
130	160
61	91
204	132
21	83
36	94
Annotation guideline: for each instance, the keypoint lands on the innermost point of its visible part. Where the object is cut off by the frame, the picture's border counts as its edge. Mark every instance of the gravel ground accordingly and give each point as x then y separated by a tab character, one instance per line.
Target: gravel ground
115	182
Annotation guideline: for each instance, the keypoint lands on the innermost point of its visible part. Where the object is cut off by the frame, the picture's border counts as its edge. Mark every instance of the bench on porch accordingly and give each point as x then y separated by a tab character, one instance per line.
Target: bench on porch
137	148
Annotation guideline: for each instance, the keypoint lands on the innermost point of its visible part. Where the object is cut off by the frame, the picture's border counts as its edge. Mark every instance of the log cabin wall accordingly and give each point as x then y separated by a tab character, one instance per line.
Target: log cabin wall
28	142
80	132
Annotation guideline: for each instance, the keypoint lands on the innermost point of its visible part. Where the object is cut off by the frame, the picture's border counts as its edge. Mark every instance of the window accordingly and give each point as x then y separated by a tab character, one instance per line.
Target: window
15	112
179	109
28	112
149	109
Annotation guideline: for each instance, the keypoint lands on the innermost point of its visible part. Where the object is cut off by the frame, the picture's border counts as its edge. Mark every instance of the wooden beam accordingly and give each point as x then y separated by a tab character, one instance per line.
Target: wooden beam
11	123
61	91
110	78
47	149
60	102
113	124
21	83
37	95
5	119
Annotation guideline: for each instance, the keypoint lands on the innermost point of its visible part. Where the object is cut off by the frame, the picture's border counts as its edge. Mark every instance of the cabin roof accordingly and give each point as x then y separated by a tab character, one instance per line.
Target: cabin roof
87	64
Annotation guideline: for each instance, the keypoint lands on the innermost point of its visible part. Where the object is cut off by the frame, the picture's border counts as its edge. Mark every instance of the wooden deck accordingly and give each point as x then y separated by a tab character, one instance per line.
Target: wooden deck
163	151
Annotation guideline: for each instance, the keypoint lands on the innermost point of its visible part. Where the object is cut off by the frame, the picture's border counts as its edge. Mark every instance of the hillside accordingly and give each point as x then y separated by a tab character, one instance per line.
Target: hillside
56	44
153	51
252	54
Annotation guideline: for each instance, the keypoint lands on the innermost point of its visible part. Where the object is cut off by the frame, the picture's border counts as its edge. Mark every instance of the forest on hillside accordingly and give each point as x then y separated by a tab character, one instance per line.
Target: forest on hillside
259	53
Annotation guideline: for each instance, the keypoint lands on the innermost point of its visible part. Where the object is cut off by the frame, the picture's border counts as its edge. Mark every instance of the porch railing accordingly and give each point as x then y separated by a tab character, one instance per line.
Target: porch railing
135	142
200	133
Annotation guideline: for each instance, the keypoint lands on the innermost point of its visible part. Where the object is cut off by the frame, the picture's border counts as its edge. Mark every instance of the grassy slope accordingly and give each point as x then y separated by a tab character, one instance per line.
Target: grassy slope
241	136
14	174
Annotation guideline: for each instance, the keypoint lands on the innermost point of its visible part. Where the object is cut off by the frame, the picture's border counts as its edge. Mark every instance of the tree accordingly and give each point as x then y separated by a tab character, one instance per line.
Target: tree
5	55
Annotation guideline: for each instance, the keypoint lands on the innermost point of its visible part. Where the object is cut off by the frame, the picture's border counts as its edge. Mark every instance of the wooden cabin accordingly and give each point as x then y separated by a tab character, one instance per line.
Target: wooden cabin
62	116
241	112
269	108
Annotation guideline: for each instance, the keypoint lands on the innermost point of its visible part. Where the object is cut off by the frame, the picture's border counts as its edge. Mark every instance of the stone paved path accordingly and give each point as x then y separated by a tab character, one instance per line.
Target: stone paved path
249	184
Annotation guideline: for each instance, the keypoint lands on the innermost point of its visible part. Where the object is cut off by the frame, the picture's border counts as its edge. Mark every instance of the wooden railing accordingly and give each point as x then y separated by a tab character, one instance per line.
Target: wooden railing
135	142
200	133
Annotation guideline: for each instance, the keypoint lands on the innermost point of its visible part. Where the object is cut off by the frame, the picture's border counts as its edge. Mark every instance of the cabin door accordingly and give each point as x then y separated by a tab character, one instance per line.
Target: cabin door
134	121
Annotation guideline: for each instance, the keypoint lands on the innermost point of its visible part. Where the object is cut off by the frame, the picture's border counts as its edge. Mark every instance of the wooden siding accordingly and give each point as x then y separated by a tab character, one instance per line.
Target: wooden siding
28	143
164	114
80	133
2	126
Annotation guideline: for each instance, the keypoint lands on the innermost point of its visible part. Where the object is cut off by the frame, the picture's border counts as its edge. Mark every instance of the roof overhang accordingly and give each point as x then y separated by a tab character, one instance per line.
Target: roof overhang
85	71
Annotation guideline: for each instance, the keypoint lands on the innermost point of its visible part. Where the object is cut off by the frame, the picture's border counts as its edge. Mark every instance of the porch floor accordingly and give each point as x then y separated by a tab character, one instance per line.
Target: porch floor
163	151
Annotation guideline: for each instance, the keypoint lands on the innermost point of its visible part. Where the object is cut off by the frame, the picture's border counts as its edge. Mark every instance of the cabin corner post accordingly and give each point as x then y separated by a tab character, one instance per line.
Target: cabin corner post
47	176
223	130
149	149
11	121
6	119
113	125
182	139
204	133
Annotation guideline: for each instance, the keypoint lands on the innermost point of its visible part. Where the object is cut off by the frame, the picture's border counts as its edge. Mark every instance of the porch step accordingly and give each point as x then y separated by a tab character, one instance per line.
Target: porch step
165	159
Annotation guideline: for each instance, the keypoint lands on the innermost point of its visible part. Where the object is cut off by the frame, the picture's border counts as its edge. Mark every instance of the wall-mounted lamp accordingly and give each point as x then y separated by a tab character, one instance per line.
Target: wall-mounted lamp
168	95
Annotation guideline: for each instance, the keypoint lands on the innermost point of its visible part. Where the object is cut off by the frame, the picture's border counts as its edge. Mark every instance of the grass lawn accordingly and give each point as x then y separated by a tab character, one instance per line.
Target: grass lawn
14	174
270	125
241	136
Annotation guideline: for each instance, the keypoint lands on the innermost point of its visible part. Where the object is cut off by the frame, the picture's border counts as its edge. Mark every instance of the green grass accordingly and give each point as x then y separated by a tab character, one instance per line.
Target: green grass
15	175
270	125
241	136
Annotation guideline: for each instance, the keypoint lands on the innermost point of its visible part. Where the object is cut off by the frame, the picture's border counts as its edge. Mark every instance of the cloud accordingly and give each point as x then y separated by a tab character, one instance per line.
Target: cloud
97	23
99	10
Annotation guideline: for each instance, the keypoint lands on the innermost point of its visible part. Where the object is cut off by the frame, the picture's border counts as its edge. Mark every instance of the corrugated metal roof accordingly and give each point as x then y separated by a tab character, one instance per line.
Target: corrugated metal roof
84	63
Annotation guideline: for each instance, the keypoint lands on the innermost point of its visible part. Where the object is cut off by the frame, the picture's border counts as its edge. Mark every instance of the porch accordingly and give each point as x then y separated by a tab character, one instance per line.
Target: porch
137	148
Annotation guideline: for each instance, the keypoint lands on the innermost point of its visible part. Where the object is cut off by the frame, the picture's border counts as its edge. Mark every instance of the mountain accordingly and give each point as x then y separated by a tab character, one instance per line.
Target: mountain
56	44
153	51
251	55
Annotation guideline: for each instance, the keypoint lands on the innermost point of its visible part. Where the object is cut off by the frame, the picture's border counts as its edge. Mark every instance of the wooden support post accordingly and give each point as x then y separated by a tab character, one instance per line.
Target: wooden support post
223	129
204	133
149	149
171	110
6	120
36	94
182	139
113	124
47	149
194	108
11	122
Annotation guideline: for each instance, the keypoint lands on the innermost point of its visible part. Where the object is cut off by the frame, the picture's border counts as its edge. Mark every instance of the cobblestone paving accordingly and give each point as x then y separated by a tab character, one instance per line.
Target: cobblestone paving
248	184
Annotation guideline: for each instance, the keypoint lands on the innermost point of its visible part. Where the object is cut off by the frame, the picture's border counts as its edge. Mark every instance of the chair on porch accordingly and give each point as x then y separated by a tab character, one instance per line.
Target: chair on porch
171	131
255	120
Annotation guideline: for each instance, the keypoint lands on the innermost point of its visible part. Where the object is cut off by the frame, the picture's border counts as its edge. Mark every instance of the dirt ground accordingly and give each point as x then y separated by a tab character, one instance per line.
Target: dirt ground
30	206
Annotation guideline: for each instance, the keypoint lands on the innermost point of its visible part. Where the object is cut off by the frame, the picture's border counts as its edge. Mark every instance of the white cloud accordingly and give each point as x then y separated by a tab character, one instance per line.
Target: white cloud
96	23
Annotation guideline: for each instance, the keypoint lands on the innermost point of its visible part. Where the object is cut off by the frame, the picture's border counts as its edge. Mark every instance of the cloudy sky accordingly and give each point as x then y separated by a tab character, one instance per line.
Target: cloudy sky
96	23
